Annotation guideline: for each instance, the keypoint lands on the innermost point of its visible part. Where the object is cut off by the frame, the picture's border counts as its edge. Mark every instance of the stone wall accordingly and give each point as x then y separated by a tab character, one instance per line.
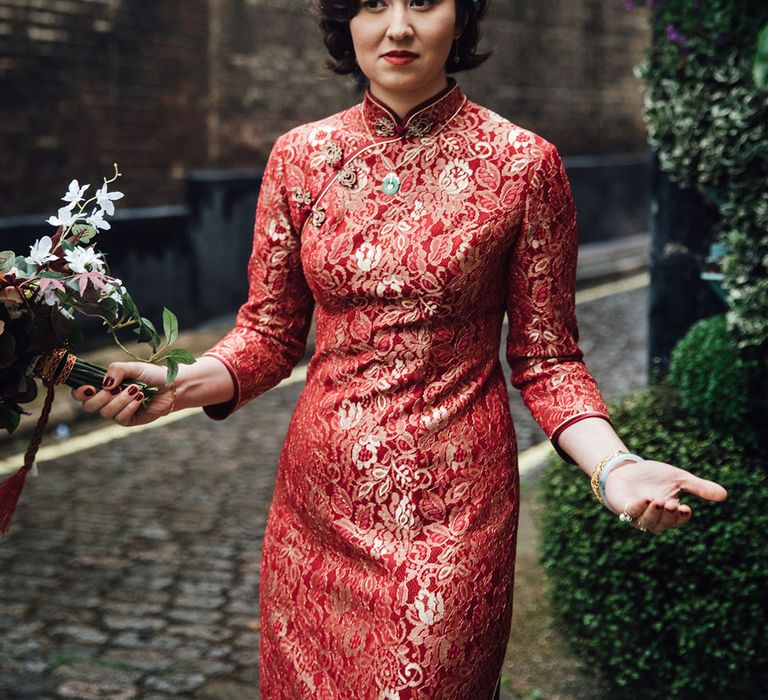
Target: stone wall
165	87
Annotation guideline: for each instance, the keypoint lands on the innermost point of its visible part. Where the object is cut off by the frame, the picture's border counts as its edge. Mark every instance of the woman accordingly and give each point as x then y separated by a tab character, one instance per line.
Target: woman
412	221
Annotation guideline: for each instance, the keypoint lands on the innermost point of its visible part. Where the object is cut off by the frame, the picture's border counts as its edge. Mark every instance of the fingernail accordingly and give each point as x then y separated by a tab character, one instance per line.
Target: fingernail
89	391
139	397
657	507
132	389
108	382
115	391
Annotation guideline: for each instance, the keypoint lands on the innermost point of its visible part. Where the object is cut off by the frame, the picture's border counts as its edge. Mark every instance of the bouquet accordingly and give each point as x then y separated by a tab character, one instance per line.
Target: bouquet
41	296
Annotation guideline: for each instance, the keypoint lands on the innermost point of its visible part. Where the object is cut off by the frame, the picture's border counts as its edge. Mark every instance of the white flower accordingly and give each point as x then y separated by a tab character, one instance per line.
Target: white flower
74	193
50	297
116	289
80	258
64	218
105	200
97	219
40	252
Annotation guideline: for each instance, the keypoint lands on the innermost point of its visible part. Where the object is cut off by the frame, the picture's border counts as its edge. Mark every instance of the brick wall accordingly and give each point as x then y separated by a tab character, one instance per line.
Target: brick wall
166	87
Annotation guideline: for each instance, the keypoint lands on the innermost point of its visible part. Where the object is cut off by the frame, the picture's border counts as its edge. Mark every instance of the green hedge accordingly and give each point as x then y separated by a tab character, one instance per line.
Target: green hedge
680	615
712	379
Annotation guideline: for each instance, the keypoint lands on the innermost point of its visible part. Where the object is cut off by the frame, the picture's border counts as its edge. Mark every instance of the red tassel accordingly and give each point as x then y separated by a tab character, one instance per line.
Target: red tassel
10	490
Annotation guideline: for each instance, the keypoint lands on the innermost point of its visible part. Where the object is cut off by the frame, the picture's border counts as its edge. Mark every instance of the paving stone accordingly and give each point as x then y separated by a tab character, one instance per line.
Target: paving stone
95	691
98	670
116	622
129	609
248	640
228	690
202	617
246	607
139	659
81	633
108	563
175	682
208	633
195	601
146	640
203	588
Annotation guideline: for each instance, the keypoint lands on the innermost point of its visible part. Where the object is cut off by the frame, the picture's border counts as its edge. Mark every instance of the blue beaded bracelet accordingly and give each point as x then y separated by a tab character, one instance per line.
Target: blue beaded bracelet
618	459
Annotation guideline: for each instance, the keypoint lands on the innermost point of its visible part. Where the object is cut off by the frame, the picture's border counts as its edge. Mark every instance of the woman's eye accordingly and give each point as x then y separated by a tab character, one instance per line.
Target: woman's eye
422	3
372	4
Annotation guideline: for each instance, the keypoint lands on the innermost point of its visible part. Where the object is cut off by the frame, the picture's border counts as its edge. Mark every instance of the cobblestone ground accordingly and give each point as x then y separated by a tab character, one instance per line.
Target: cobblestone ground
132	570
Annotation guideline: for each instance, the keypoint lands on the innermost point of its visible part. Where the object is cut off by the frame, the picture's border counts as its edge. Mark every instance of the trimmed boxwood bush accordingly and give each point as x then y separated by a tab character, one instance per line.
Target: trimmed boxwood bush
680	615
711	378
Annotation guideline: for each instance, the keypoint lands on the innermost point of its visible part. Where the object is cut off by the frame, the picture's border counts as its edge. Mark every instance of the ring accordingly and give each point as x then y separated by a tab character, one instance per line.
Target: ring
625	517
642	528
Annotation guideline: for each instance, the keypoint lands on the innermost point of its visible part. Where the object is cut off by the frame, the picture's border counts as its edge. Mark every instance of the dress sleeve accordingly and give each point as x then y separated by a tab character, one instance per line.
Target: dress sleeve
271	327
542	343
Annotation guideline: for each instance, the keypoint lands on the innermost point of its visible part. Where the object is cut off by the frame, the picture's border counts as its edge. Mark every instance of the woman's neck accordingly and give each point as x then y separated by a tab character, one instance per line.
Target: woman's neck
403	102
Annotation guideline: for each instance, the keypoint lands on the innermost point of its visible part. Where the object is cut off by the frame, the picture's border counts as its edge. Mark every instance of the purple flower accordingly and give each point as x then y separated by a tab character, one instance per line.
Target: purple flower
674	36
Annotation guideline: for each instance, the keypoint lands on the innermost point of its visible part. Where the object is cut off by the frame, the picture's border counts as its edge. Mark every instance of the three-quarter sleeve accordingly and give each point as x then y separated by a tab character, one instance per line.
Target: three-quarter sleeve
542	343
271	327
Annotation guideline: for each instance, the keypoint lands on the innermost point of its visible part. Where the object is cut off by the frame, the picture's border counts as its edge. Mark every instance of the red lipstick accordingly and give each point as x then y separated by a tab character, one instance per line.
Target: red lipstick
400	58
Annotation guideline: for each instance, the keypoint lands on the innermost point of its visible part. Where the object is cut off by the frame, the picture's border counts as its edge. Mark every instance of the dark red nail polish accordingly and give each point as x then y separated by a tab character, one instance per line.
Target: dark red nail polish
132	389
115	391
89	391
108	382
139	396
657	507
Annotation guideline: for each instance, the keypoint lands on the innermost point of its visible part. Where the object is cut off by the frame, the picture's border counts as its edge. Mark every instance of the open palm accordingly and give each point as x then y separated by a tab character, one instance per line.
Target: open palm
649	492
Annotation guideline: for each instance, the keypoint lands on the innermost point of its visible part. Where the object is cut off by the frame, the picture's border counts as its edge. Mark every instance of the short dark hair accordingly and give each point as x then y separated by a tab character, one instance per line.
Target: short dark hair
334	17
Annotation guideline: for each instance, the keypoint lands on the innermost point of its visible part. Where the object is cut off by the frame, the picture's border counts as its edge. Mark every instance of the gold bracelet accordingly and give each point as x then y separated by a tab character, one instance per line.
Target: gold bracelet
595	478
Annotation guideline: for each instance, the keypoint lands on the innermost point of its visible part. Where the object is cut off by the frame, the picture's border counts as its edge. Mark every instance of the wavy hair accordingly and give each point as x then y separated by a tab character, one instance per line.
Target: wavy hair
334	17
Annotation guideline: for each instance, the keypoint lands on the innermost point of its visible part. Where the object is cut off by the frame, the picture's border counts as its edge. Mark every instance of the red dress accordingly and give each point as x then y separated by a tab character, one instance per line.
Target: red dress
389	552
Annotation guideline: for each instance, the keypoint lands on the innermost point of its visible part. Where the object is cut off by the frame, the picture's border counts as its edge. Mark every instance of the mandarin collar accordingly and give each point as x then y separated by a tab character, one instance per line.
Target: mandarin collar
383	122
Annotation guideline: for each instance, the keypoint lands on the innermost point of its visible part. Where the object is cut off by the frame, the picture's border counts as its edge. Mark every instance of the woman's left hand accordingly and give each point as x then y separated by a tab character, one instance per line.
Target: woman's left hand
649	492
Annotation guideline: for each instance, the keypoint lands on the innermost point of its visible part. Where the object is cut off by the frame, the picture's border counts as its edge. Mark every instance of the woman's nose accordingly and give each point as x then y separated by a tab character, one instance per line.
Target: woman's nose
399	24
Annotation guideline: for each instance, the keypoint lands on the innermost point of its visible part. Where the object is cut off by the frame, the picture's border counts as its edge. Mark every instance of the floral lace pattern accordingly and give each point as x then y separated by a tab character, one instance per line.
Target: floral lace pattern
389	553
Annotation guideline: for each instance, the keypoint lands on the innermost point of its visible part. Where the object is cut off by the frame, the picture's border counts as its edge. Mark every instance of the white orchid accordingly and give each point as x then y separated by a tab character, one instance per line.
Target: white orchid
64	218
105	199
96	219
116	289
74	194
80	258
40	252
50	297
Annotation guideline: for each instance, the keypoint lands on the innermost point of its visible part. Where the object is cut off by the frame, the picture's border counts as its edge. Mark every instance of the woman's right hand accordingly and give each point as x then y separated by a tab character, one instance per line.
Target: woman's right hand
121	406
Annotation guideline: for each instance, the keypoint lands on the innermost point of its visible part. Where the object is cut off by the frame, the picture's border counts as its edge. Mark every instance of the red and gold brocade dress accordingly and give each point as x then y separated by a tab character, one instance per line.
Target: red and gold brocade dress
389	552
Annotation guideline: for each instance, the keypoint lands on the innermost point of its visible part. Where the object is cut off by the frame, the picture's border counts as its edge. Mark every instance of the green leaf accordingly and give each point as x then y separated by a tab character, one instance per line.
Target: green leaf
147	333
170	326
85	233
9	419
66	245
183	357
7	258
761	61
129	308
173	370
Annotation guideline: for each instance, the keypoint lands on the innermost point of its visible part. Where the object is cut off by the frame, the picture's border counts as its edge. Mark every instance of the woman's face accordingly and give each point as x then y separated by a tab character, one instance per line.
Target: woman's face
402	45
